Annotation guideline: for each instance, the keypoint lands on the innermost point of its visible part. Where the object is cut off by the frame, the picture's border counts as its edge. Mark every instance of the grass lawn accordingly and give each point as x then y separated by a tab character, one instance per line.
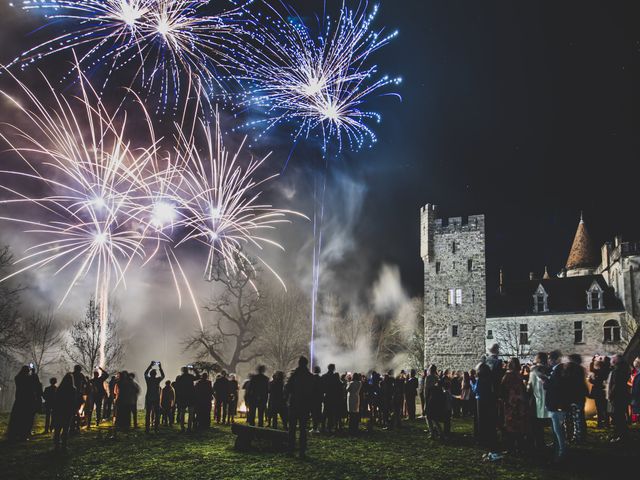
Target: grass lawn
403	454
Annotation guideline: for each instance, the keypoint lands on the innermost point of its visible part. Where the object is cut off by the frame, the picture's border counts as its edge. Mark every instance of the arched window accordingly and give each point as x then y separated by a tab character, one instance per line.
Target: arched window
611	331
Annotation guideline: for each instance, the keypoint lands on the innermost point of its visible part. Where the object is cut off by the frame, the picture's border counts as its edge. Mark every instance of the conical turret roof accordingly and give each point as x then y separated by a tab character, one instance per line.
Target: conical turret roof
582	254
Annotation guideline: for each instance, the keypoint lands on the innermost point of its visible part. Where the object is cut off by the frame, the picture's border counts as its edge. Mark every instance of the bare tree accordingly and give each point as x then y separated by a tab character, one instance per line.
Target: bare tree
228	338
12	342
515	342
84	346
43	339
415	344
284	328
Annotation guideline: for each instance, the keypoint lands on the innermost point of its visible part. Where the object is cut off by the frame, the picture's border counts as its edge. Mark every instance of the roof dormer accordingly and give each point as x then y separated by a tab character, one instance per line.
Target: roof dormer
540	300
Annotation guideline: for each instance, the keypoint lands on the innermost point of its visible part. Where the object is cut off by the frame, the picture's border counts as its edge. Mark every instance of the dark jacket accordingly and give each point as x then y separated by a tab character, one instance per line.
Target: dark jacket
221	389
258	389
49	395
618	391
64	406
276	396
556	398
97	385
299	390
331	387
576	386
203	394
185	392
411	387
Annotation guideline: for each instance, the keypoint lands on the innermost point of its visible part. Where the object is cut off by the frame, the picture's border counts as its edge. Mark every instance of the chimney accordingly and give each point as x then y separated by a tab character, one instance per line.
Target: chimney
532	276
501	283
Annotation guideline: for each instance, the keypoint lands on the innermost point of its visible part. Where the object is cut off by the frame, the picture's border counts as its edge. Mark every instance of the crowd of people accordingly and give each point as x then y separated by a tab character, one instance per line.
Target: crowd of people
510	404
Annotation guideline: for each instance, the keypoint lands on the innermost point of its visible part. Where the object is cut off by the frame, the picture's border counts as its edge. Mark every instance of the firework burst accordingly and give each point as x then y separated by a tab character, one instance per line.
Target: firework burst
81	165
103	203
161	44
318	83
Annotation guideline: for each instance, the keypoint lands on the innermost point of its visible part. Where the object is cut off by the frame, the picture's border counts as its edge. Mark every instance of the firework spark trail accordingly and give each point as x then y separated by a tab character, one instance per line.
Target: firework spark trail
160	41
318	83
222	197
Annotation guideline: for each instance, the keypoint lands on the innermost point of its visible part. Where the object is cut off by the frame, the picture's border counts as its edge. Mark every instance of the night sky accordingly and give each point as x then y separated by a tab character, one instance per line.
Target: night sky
523	111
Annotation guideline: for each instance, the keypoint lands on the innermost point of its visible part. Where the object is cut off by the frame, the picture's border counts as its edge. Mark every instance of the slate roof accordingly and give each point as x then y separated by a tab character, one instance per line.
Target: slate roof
566	295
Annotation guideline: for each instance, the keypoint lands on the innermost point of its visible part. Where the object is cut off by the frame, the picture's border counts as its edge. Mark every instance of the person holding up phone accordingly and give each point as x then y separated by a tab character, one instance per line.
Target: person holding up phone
152	397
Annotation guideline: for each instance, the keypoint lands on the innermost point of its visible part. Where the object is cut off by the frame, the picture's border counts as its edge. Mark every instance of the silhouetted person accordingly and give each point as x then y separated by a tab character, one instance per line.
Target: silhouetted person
88	402
353	403
258	389
486	406
63	411
496	365
124	392
556	399
99	394
185	397
411	392
202	404
134	399
49	395
332	394
167	401
575	422
234	392
109	404
23	411
221	395
316	400
597	379
398	399
298	391
277	405
619	396
386	397
433	402
152	397
80	384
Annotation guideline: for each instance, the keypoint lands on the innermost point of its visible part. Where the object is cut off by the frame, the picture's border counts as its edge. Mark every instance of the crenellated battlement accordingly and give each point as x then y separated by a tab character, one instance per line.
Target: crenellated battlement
459	224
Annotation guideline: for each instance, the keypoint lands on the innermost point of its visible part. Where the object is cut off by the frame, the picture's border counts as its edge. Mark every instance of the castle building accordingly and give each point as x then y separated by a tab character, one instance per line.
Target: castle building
590	307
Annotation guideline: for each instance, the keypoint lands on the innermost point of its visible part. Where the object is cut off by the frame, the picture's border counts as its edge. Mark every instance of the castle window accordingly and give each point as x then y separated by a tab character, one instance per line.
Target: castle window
453	247
540	300
594	297
611	331
437	267
454	330
469	265
489	334
524	334
452	296
578	333
458	296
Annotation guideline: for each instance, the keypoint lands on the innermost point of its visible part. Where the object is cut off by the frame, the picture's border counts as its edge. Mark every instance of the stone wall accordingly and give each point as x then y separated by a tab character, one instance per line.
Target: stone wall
549	332
447	267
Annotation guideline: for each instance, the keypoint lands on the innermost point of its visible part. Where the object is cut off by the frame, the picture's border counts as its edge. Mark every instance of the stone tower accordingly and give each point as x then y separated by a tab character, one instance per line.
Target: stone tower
453	253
